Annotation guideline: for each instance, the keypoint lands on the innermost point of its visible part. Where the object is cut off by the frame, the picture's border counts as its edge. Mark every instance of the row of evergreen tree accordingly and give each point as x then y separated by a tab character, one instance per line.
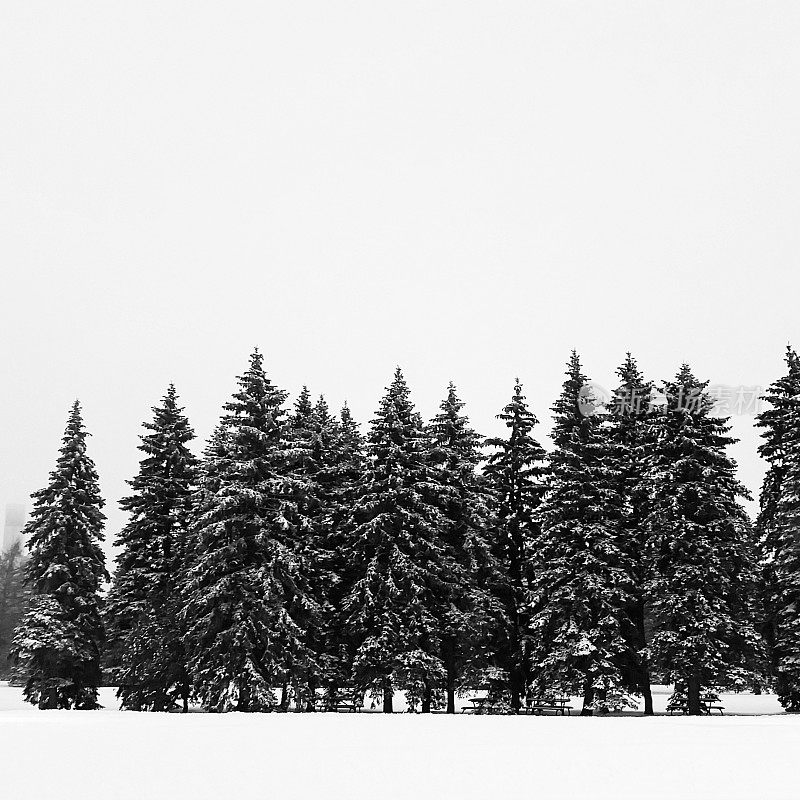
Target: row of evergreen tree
297	556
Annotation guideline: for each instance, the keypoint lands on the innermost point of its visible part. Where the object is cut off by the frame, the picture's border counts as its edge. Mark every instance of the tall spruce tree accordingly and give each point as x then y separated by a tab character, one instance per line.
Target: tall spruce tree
314	436
474	613
514	473
777	530
402	568
777	430
342	480
784	571
247	603
143	604
630	430
582	571
778	425
57	646
327	449
699	547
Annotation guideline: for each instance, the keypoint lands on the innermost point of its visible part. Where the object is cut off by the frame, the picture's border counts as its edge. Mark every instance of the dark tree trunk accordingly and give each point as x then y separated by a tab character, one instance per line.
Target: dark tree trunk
517	686
48	699
332	693
601	705
517	674
693	706
451	691
243	703
387	696
588	698
638	613
284	705
647	693
312	695
426	700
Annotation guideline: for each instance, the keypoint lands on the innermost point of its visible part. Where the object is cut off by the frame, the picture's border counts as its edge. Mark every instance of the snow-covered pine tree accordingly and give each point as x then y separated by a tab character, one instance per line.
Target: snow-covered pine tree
581	570
247	604
474	613
402	568
143	604
314	436
777	423
628	420
515	475
58	644
328	444
699	548
784	572
12	600
304	454
350	462
341	480
777	429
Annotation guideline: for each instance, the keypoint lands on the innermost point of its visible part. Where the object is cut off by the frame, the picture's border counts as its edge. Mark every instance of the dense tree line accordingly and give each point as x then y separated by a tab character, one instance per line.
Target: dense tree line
298	557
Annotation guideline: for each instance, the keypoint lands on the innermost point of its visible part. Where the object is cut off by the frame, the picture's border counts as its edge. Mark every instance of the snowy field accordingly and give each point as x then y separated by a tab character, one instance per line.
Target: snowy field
749	753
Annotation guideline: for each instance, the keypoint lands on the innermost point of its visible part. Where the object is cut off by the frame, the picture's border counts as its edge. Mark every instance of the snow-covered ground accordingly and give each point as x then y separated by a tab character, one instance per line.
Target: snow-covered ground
749	753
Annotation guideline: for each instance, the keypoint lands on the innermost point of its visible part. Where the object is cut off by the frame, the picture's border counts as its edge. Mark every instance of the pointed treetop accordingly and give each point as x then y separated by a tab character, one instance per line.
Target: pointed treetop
171	397
685	376
518	418
257	402
345	414
517	413
397	390
321	410
634	396
170	401
74	438
778	422
629	372
398	381
456	444
302	406
574	372
570	409
74	420
349	430
396	420
452	400
689	392
449	408
255	362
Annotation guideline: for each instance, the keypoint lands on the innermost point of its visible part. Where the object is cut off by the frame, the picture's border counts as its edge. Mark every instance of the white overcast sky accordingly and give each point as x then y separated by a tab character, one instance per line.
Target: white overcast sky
466	189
